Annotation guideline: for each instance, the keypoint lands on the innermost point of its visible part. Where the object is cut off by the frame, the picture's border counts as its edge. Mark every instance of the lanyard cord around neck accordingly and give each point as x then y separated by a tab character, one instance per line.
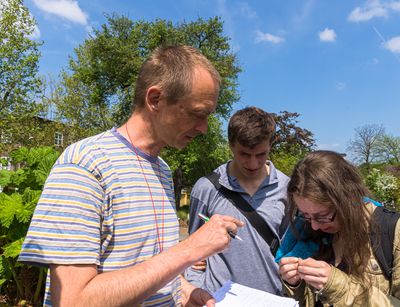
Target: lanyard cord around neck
160	239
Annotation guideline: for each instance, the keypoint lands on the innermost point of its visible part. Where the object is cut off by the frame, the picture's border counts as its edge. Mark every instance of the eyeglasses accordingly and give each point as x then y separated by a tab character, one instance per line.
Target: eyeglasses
318	220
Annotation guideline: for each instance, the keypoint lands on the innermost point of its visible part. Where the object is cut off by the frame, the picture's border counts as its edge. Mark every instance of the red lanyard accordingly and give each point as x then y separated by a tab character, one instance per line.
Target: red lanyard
160	239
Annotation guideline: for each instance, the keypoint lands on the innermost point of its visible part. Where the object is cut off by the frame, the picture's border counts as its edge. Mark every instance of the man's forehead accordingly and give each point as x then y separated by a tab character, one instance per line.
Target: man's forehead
203	107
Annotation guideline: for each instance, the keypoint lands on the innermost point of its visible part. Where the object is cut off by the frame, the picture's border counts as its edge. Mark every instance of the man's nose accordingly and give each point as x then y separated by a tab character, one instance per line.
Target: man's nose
202	126
253	162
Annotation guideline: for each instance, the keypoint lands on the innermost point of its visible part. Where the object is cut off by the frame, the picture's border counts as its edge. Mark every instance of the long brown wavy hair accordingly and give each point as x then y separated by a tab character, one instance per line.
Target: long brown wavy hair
326	178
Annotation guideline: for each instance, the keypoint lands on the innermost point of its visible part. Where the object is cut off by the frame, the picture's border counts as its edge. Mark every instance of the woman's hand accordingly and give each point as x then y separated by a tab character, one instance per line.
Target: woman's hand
315	273
288	269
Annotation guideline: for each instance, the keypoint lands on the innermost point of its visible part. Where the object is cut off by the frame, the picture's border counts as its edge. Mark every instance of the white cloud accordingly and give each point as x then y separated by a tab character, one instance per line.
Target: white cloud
393	44
359	14
372	9
267	37
35	34
375	61
328	35
67	9
246	10
395	6
340	86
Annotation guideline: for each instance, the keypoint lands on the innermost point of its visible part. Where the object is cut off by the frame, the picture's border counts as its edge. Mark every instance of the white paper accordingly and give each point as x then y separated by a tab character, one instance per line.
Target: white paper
232	294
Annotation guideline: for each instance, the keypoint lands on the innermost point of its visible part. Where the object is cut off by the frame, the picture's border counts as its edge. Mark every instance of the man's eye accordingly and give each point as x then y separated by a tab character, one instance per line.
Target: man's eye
198	116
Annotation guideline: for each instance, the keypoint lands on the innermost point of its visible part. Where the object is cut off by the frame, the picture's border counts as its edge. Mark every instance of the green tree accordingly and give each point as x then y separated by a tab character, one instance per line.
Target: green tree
199	158
388	149
19	82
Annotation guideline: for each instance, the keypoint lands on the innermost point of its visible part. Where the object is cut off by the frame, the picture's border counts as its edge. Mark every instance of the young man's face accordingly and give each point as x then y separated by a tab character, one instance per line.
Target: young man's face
250	162
181	122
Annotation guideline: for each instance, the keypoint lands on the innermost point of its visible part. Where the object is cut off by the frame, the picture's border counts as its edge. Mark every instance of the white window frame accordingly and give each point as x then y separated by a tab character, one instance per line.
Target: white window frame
58	138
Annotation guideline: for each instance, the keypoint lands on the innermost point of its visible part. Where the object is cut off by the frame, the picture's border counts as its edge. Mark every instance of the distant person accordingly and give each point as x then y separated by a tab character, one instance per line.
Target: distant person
105	224
334	222
250	175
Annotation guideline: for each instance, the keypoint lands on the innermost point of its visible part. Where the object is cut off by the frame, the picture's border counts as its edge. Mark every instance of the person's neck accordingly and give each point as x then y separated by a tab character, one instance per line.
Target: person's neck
139	131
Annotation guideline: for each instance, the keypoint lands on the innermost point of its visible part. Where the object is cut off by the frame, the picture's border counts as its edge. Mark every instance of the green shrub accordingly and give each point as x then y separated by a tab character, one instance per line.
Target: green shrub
384	186
21	190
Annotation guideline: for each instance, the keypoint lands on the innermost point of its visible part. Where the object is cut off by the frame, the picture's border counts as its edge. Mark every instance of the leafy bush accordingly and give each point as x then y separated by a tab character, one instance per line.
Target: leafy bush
21	190
285	160
384	186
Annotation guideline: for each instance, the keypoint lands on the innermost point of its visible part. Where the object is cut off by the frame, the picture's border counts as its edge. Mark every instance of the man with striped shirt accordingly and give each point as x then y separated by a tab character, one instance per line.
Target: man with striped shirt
105	224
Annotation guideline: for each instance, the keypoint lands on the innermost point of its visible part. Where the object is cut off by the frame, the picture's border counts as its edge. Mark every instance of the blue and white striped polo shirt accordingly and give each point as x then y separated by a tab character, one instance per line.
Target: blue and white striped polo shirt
96	209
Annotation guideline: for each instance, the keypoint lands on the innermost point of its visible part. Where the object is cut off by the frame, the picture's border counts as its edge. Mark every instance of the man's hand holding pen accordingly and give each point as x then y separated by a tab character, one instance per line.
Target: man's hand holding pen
231	233
213	236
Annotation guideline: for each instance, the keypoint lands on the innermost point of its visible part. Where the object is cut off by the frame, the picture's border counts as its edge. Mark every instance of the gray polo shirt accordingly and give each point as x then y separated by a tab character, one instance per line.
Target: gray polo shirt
248	262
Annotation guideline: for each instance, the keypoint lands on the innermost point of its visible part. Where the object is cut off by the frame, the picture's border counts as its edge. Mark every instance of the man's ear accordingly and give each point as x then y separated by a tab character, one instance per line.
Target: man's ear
153	97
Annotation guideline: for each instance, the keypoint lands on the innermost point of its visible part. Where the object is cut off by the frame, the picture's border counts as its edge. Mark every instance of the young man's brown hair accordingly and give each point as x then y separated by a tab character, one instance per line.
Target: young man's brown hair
251	126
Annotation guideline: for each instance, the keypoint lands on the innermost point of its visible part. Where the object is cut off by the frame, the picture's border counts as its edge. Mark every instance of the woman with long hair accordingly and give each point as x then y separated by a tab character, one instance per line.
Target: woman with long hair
332	221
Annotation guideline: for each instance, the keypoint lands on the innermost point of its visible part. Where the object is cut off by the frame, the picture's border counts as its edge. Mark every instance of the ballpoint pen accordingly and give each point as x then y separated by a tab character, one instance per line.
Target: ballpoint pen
206	219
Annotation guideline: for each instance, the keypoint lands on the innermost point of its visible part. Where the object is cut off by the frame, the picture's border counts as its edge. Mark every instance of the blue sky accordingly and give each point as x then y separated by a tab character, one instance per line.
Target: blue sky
337	63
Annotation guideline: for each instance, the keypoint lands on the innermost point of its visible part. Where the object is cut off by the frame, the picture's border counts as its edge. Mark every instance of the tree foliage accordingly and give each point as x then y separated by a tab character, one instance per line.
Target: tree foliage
388	149
19	82
199	158
291	137
385	187
292	142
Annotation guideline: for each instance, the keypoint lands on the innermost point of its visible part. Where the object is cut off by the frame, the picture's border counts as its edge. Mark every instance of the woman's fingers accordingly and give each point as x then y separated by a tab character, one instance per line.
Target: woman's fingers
288	270
316	273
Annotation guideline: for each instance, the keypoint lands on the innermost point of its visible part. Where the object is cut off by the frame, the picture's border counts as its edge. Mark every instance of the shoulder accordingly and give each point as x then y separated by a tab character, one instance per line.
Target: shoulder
87	151
205	186
280	176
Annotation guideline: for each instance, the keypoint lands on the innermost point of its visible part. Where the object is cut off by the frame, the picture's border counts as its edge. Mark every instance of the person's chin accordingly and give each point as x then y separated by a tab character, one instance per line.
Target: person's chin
252	173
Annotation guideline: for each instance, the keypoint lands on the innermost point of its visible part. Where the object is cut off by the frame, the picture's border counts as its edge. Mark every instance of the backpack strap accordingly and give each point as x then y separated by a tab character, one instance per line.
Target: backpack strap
382	244
259	224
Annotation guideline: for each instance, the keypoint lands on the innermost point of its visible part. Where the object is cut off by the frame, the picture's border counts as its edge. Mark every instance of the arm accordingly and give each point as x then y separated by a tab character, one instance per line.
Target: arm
80	285
195	273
